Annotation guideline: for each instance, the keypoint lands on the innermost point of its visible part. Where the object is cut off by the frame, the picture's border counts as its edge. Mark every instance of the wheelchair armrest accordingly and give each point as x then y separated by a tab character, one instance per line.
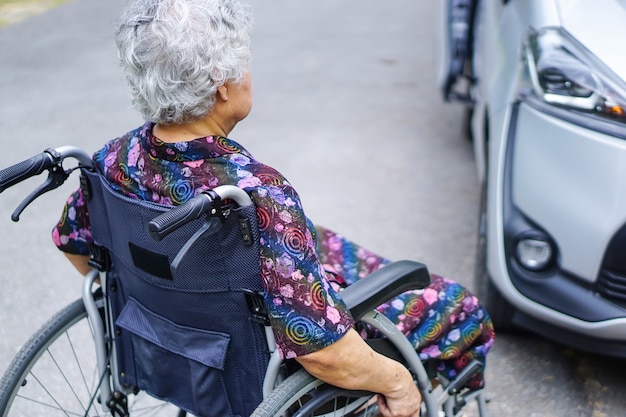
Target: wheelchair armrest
384	284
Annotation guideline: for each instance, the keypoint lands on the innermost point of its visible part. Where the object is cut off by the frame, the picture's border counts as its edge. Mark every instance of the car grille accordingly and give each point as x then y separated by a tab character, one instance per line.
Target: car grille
611	283
612	286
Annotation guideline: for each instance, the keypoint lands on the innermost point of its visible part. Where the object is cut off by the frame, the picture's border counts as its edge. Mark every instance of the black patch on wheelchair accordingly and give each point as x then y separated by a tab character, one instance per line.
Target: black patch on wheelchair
153	263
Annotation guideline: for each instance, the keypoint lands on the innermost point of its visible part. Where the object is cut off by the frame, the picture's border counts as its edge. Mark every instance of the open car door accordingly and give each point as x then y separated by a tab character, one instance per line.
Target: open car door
456	22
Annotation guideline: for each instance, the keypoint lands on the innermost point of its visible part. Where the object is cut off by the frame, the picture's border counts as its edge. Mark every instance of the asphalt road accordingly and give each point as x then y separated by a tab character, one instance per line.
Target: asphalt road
346	107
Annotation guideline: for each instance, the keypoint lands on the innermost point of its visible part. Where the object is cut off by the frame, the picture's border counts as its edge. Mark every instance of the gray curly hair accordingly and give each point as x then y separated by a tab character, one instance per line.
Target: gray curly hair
176	53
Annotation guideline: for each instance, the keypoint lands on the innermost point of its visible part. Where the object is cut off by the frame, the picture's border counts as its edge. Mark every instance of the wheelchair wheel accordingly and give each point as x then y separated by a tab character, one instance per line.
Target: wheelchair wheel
55	373
302	395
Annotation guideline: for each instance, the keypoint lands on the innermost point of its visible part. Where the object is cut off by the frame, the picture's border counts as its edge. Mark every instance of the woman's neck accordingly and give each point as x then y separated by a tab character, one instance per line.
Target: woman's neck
189	131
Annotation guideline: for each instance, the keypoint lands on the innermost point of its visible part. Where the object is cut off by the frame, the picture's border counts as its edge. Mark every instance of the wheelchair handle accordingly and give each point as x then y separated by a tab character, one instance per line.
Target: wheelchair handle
48	159
25	169
166	223
207	202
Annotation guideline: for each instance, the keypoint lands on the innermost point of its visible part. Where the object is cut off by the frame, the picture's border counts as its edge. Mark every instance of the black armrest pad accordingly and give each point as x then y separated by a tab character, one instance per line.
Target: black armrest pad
384	284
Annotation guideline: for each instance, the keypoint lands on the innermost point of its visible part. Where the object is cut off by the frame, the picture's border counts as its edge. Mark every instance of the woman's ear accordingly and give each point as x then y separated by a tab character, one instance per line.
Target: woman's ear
222	92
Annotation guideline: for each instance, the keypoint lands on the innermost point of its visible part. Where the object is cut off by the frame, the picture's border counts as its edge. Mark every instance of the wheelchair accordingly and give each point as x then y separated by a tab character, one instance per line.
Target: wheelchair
171	322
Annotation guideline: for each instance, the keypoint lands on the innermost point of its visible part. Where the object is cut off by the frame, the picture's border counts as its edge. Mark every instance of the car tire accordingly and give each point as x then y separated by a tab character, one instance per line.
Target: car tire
500	310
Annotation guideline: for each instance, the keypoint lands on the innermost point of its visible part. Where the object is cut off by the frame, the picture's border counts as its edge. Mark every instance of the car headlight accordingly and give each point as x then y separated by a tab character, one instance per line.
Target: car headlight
562	73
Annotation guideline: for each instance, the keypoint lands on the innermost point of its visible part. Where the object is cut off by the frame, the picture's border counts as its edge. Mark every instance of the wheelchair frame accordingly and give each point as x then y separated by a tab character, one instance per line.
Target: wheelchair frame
447	397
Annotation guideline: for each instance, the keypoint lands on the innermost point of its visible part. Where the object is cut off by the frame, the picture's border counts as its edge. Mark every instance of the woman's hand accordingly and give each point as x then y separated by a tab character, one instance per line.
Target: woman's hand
351	364
405	402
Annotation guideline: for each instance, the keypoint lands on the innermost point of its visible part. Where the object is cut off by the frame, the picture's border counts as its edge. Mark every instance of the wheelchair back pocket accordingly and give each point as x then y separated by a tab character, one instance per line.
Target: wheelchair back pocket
179	364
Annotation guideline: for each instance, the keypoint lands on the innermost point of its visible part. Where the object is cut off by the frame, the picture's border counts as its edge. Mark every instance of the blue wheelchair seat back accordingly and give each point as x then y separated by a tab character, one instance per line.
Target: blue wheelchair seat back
186	335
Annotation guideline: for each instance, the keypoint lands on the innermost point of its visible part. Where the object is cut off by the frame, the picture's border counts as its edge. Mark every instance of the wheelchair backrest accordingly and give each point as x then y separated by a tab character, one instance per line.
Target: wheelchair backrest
186	335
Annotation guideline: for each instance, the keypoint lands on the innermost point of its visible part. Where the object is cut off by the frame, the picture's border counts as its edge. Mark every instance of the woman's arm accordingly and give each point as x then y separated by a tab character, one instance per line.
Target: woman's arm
80	262
350	363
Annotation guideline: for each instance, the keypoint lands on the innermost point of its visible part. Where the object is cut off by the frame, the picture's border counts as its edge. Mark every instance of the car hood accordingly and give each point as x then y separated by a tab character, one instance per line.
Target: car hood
599	26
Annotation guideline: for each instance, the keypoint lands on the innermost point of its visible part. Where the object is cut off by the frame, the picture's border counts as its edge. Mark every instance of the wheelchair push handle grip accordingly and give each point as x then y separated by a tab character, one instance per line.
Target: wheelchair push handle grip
166	223
25	169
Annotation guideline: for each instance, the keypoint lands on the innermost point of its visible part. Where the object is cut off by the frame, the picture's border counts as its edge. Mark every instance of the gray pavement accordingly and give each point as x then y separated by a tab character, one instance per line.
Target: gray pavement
346	107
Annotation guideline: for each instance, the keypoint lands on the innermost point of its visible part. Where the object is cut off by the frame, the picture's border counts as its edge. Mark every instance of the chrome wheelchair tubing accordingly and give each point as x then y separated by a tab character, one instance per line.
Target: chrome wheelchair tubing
74	152
99	337
234	193
273	366
395	336
271	375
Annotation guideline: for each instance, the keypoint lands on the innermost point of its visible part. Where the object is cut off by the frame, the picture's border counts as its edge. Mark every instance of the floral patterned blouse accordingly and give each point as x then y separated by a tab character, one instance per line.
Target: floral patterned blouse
302	266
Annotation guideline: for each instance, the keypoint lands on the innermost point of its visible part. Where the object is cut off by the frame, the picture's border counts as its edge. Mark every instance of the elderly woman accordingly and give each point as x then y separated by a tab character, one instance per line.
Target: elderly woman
187	64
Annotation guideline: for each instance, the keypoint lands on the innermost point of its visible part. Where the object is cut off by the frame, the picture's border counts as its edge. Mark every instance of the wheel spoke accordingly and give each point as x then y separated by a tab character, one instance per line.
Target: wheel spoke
64	376
50	406
52	397
78	363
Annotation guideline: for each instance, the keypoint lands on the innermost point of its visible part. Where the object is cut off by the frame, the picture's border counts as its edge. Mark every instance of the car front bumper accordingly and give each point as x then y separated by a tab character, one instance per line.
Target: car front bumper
566	181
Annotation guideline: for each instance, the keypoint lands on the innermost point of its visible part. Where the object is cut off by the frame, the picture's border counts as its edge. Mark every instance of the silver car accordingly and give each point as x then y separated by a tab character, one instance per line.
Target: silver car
544	85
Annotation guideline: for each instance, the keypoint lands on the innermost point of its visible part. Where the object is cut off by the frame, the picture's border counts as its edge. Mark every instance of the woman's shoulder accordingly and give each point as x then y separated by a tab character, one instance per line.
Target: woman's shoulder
120	145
